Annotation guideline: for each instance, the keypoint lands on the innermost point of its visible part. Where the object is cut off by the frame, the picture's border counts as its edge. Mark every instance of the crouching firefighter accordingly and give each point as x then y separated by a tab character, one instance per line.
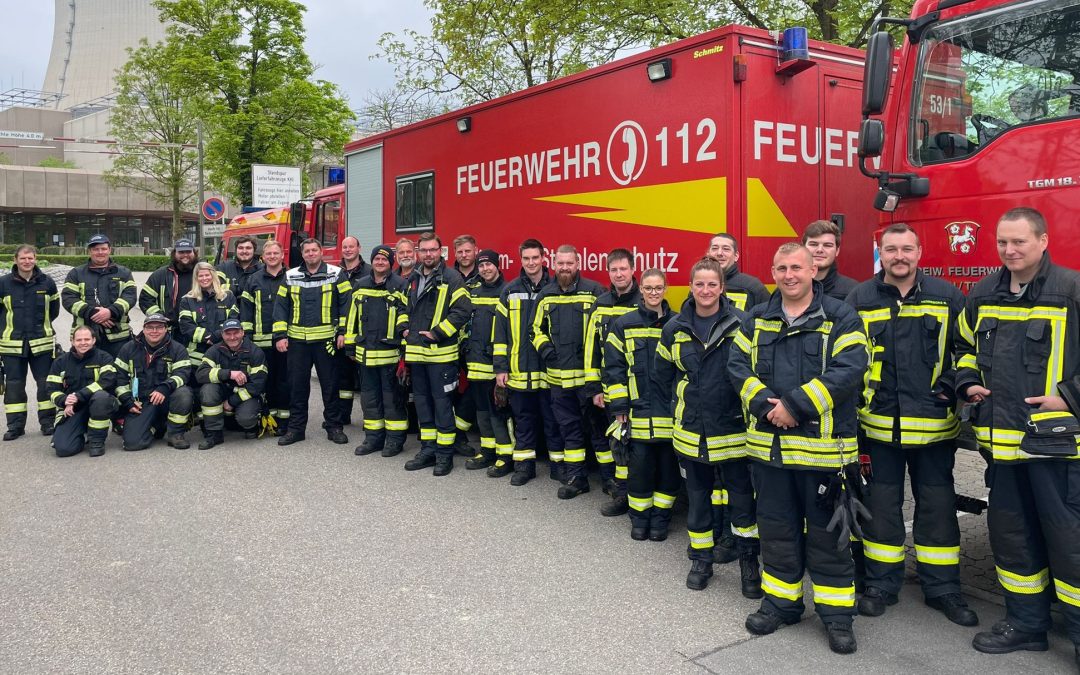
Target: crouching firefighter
80	385
152	375
709	432
232	378
376	317
643	407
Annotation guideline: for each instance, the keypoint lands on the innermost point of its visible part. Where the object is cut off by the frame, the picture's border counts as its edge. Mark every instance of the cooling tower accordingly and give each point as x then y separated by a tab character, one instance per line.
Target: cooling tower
89	42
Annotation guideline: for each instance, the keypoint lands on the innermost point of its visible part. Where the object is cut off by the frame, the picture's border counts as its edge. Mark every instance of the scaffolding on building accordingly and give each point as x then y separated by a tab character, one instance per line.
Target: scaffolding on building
29	98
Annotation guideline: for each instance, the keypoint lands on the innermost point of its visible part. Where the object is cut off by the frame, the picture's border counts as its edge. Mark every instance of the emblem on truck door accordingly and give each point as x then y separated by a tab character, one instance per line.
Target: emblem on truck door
962	236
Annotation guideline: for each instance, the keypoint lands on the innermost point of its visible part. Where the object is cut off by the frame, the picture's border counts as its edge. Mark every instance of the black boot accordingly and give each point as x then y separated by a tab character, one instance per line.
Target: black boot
841	637
96	447
392	448
366	448
523	472
725	550
12	434
443	466
1003	638
750	576
482	460
616	507
874	601
610	487
290	437
503	467
336	435
953	606
422	461
555	471
764	622
700	572
211	439
462	447
47	429
179	442
573	488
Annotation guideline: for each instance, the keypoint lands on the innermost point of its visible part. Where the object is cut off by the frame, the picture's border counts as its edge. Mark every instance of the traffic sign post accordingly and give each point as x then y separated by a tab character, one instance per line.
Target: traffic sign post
213	208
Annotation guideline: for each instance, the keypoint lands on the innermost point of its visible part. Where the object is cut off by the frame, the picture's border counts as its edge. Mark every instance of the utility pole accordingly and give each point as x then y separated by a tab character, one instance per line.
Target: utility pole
202	195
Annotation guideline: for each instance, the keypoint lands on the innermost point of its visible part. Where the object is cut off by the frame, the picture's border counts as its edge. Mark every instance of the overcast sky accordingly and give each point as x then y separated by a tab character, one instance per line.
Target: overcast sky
341	36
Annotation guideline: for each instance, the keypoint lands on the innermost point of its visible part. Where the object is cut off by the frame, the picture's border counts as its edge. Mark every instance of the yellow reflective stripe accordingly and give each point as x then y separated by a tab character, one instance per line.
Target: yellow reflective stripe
937	555
211	411
98	424
719	497
1067	592
837	596
848	340
574	455
662	500
782	589
445	439
14	407
1024	584
819	396
244	394
639	503
745	532
700	540
177	419
883	553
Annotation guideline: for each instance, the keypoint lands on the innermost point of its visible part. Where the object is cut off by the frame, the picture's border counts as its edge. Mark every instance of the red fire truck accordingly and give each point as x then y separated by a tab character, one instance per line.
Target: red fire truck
984	116
726	131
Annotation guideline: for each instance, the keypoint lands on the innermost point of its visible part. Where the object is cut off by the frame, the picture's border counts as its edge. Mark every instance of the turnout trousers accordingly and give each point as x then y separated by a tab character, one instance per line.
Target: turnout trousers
90	424
786	502
936	532
212	396
704	517
465	409
348	385
15	399
277	385
653	484
383	407
171	417
433	390
533	416
574	413
1034	521
492	421
302	356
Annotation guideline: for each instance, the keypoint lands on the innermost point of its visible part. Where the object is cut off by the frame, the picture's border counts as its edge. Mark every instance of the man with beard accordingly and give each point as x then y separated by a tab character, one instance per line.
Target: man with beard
232	378
822	238
237	270
562	316
405	254
257	317
464	408
353	269
743	290
907	420
152	375
465	261
169	283
99	295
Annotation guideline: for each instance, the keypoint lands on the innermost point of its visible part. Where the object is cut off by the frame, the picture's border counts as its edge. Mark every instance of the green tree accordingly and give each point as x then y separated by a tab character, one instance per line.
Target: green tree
154	106
4	159
57	163
245	59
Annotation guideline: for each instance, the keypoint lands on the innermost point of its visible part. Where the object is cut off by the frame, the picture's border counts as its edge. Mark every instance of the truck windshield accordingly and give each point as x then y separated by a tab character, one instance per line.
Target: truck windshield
983	74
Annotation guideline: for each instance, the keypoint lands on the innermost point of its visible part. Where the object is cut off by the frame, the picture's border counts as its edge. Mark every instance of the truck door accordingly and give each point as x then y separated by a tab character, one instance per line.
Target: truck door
364	195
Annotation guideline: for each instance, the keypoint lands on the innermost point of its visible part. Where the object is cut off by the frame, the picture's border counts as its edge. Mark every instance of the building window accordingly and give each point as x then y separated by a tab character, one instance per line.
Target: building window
415	203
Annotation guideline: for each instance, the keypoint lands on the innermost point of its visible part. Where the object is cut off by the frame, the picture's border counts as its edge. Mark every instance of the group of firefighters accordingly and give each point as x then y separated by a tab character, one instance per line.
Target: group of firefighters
789	417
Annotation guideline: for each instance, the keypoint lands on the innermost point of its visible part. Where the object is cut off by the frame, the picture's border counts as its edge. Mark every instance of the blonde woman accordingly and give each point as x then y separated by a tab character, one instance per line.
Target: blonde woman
203	310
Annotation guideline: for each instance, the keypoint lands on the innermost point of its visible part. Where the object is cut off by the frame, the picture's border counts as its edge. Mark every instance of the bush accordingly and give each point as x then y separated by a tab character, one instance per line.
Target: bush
135	263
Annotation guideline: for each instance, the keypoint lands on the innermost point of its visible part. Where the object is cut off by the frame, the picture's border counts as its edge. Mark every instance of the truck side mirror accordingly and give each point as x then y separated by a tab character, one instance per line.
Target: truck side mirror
297	211
876	73
871	138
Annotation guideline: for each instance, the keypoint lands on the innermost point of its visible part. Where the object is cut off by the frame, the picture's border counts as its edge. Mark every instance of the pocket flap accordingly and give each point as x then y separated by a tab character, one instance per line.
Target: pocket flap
1036	329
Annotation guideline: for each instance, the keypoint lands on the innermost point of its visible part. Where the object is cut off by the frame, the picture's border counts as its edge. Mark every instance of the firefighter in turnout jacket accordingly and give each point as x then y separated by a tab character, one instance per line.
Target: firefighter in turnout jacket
518	367
306	326
100	294
798	364
708	429
1017	359
257	317
152	377
376	320
907	419
232	379
204	310
353	269
168	284
559	331
80	384
495	441
743	290
635	403
29	303
439	307
622	297
235	272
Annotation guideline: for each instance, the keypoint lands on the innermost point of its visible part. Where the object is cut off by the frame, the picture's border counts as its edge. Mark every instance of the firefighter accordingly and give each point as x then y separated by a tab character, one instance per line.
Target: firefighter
495	441
232	378
439	308
306	327
80	384
153	372
464	408
257	316
559	328
632	400
377	318
622	297
405	254
237	271
169	283
100	294
353	269
709	432
822	238
798	363
1017	360
518	368
743	290
907	419
203	311
27	341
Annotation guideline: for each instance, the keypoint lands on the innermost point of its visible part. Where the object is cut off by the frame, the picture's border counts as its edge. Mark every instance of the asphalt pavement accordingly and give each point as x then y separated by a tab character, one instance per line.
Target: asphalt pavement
252	557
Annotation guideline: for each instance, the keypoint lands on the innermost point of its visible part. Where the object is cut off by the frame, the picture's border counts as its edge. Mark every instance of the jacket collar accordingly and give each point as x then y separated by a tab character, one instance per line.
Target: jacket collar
630	292
545	279
1034	287
652	317
35	276
774	310
890	290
